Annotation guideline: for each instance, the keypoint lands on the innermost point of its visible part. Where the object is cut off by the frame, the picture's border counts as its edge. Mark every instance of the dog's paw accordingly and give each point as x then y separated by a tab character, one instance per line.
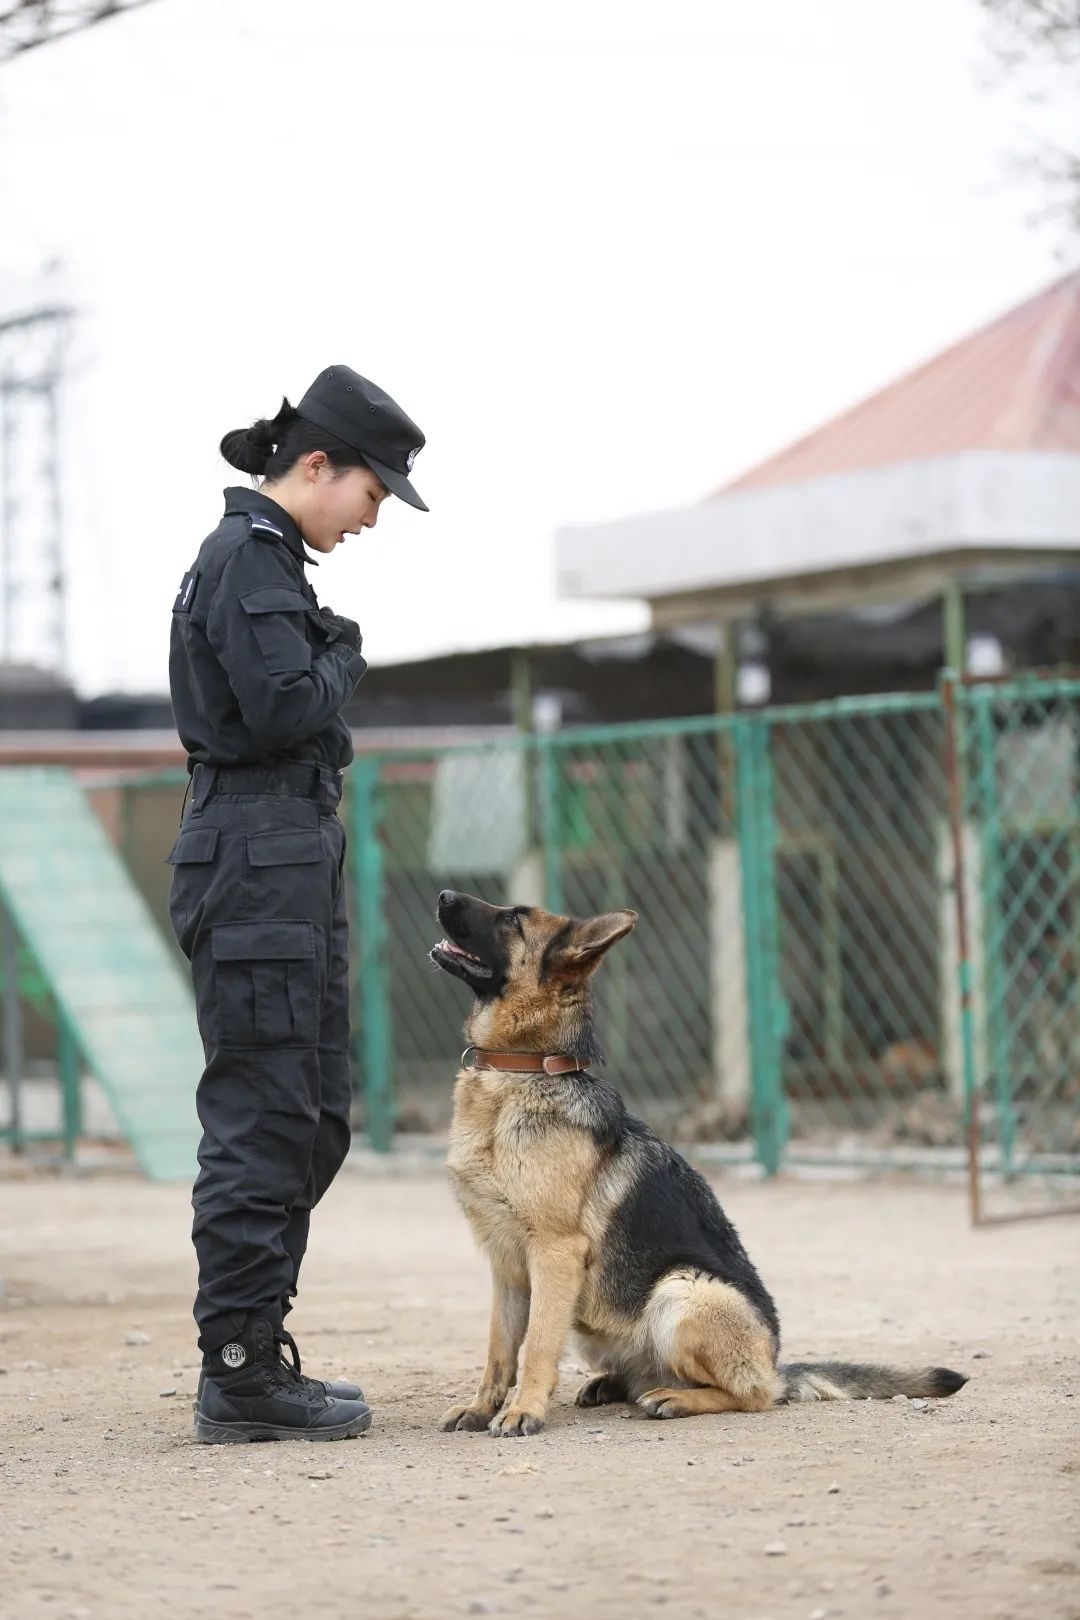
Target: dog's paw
464	1419
661	1403
602	1391
515	1423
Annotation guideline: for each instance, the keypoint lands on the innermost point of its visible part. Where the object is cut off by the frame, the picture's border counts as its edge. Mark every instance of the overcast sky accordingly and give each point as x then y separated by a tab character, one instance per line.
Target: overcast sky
606	253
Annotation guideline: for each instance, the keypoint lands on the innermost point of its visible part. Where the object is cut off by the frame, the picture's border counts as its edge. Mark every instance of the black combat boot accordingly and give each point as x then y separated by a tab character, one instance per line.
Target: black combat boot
247	1392
340	1389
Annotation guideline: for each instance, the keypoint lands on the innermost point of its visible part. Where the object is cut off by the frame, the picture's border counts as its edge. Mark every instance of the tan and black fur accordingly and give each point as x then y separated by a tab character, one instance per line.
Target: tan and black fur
592	1225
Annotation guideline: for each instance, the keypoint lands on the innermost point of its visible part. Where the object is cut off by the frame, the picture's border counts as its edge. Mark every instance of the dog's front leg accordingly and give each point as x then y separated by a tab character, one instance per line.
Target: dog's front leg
509	1315
556	1273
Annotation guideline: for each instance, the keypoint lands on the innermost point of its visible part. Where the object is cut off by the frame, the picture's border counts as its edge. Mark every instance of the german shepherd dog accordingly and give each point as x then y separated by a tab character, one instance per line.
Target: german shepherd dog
592	1225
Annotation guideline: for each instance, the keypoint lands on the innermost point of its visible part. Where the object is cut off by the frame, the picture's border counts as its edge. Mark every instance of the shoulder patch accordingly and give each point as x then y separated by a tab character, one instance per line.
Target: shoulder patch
263	525
185	596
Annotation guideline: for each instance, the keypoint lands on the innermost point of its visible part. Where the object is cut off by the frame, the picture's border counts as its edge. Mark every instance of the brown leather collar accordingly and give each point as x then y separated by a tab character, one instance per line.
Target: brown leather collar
519	1062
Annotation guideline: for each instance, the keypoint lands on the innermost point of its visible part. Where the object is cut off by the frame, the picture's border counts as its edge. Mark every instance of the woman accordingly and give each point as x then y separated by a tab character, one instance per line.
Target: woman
259	673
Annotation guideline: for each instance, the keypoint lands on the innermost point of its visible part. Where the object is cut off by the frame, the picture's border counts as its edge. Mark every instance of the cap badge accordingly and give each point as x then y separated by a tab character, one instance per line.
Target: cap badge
411	457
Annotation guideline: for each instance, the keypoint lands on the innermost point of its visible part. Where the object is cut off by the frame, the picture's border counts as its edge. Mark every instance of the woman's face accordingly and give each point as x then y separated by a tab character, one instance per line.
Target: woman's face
328	503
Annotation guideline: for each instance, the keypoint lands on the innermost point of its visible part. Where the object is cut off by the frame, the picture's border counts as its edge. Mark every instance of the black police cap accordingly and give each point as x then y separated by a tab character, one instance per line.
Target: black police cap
366	419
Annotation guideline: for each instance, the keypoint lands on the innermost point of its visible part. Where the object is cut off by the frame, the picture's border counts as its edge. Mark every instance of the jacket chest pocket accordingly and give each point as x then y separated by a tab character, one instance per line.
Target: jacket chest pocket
266	978
286	627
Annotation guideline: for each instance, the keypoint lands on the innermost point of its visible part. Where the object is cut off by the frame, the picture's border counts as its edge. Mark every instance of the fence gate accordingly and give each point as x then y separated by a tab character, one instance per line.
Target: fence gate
1014	777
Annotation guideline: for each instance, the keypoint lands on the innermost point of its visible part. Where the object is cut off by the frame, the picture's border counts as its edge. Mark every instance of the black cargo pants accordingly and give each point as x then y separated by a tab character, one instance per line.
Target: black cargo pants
258	903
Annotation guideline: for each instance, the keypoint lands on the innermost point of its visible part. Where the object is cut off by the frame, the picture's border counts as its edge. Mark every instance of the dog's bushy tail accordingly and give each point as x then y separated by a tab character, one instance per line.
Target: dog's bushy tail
853	1381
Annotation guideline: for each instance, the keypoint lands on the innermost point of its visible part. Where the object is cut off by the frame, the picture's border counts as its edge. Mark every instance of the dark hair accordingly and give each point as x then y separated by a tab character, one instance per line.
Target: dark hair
273	445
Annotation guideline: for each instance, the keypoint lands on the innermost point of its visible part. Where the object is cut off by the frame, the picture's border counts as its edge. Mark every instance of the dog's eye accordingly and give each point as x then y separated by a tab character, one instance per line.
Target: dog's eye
518	924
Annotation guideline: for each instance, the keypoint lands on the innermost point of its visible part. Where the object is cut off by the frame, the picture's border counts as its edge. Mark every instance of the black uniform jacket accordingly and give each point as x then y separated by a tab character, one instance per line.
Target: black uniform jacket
256	675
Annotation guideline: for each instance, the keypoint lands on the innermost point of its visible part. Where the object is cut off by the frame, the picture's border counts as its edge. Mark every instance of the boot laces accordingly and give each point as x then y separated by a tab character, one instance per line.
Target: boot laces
292	1366
287	1342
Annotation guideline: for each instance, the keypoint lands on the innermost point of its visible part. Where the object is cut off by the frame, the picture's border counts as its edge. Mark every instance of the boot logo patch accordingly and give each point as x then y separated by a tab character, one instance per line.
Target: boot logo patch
234	1355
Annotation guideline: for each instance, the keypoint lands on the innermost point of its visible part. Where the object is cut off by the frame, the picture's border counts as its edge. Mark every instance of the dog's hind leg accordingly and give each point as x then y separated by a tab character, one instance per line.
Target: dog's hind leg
606	1390
509	1319
672	1403
712	1342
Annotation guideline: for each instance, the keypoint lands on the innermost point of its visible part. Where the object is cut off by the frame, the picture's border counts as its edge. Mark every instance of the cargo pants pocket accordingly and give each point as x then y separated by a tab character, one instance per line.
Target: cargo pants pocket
193	853
265	976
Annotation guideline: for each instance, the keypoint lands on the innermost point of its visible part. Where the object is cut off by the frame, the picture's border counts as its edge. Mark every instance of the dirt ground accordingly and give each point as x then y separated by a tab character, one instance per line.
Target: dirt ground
110	1511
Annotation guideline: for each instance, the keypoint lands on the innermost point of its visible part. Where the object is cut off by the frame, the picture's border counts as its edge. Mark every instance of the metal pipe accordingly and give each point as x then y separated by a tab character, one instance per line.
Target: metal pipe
13	1026
956	777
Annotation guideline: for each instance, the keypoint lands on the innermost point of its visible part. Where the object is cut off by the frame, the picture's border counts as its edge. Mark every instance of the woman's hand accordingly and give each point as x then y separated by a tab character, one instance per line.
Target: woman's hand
346	630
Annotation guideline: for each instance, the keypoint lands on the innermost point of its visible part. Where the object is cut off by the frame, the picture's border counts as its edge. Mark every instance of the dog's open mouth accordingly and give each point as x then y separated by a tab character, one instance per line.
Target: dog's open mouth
447	954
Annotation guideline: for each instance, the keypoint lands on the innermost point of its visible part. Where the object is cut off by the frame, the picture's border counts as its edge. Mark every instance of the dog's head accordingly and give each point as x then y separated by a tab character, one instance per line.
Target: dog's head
528	969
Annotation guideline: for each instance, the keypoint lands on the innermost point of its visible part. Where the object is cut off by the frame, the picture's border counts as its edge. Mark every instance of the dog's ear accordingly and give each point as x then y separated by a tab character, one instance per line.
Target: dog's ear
590	940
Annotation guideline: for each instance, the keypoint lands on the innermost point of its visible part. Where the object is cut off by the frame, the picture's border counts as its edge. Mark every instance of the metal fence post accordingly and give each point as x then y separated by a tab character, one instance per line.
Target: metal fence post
376	1035
13	1026
779	1012
69	1064
994	935
956	749
551	822
755	822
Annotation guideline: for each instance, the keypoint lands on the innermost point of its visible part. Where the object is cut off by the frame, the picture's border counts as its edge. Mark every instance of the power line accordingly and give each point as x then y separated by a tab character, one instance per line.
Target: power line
27	23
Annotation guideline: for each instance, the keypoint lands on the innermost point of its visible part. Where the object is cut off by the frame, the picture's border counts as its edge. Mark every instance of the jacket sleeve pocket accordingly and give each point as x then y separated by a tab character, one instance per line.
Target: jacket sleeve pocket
279	618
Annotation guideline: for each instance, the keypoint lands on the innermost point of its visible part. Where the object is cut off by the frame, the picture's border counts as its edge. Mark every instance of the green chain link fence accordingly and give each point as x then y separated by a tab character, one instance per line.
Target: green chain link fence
1015	755
795	986
805	983
860	864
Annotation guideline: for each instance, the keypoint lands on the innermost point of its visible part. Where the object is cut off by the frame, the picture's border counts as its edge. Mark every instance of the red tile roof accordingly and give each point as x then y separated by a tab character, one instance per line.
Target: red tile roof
1012	385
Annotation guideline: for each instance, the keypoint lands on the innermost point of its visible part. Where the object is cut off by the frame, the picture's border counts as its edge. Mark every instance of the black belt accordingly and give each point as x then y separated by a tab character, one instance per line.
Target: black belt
316	782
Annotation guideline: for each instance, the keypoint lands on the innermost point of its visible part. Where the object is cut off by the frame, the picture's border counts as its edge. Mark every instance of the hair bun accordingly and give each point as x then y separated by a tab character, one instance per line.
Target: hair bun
260	436
249	449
